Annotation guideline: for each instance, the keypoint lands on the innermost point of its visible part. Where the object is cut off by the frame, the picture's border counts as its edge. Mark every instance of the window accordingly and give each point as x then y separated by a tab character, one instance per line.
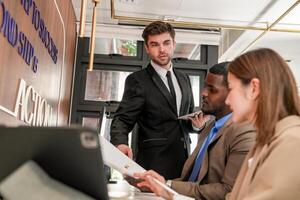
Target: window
91	122
108	46
104	85
195	83
188	51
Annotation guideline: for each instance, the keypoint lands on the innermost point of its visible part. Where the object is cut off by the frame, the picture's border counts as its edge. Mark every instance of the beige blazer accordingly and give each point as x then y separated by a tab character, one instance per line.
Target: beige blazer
221	163
274	173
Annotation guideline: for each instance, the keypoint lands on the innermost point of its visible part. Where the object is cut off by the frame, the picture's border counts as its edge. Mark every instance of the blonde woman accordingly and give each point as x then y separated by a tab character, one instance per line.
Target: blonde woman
263	91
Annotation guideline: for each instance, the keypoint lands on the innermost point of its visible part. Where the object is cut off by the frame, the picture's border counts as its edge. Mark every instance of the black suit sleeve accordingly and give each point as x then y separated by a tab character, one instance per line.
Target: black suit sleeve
128	111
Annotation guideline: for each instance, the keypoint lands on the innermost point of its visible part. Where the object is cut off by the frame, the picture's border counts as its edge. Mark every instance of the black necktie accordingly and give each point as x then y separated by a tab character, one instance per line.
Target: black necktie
171	86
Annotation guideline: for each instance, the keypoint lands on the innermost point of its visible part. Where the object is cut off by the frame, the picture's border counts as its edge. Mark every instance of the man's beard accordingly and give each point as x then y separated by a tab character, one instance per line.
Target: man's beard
212	110
208	111
158	62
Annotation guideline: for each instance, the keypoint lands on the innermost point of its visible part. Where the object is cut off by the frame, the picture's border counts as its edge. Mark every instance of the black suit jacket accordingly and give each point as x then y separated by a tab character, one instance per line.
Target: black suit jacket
163	141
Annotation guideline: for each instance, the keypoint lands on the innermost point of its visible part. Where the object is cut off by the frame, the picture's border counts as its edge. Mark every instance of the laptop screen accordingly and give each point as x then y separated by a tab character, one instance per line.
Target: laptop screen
69	155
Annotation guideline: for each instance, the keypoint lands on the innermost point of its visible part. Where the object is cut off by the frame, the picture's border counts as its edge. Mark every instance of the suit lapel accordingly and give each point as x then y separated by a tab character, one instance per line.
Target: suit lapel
162	87
221	131
259	154
248	171
204	165
186	172
183	87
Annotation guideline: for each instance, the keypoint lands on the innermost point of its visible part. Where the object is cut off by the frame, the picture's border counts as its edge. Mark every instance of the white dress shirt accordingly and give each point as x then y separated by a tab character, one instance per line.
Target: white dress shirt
162	72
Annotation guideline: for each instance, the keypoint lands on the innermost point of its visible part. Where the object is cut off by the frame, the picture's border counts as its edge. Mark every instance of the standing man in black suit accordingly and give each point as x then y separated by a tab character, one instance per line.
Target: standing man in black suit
154	98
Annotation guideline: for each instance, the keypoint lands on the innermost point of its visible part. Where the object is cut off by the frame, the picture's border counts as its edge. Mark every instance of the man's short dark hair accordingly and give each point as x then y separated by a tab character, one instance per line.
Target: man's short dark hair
220	69
157	28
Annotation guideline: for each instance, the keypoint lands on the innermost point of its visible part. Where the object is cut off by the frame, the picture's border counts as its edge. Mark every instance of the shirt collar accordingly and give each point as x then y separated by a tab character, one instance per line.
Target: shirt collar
160	70
222	121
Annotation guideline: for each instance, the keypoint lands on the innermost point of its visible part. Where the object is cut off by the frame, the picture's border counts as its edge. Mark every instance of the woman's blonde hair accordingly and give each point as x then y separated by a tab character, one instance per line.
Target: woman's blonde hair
278	95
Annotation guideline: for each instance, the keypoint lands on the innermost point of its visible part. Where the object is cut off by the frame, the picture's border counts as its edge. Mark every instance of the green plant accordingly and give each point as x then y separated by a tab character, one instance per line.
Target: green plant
130	47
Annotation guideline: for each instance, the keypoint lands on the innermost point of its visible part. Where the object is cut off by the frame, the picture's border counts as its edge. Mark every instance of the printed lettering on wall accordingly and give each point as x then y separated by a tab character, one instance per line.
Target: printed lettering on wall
18	39
31	108
32	42
40	26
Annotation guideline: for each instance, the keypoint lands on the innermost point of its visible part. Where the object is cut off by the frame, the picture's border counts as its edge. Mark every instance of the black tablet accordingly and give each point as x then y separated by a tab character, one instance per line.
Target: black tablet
70	155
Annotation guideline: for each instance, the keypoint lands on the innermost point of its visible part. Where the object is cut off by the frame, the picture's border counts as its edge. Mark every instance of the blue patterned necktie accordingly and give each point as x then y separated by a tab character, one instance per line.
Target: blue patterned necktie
198	161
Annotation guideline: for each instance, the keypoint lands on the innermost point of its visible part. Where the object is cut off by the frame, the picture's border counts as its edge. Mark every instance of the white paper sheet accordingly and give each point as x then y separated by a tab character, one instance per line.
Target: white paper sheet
114	158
